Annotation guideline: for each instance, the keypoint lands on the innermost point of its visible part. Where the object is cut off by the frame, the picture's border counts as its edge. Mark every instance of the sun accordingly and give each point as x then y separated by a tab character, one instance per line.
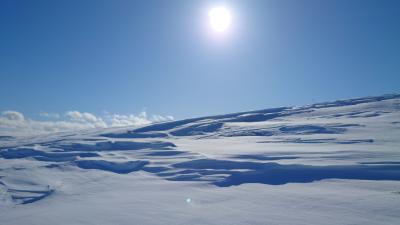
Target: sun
220	19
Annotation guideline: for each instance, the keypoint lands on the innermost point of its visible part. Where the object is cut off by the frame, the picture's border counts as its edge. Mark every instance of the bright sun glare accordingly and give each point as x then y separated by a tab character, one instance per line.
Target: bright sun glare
220	19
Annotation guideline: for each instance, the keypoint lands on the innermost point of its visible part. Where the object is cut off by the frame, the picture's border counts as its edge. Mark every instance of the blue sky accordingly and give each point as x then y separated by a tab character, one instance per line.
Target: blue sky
125	56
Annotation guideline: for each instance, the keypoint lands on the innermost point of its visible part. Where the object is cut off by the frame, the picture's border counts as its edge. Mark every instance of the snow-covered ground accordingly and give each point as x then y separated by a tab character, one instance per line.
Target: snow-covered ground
328	163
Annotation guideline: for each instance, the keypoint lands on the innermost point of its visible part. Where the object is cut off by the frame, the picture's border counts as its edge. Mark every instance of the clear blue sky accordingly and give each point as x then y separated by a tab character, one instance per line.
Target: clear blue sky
122	55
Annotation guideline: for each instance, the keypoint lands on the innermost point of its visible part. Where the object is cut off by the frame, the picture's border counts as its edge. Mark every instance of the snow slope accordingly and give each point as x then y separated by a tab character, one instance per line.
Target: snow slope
328	163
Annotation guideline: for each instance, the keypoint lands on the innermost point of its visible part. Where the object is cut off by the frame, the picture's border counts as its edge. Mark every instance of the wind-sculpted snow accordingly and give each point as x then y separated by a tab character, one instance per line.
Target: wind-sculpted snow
29	196
197	129
24	192
264	157
116	167
304	129
350	102
277	174
319	141
349	140
311	129
112	146
5	138
18	153
131	134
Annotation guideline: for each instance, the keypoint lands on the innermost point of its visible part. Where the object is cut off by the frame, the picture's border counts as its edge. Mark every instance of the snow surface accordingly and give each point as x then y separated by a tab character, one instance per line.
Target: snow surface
327	163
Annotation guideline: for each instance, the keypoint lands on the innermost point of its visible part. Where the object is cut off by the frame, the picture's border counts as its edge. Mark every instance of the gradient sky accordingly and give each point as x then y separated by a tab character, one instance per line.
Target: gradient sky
123	56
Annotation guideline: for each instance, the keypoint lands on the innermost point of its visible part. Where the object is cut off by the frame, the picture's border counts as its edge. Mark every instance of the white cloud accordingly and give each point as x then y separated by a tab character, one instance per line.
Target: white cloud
127	120
50	115
118	120
13	115
159	118
86	118
15	123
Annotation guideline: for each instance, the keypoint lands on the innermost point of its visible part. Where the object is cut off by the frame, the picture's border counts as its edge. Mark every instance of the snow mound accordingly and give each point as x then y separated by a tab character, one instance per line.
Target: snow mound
336	160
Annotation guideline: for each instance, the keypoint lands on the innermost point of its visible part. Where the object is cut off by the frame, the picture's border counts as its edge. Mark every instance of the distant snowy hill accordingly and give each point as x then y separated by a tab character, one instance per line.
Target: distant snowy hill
327	163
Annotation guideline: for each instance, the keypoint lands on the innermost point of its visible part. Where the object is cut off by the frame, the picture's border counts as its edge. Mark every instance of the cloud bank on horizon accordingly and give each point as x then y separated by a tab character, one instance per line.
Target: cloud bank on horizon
15	123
